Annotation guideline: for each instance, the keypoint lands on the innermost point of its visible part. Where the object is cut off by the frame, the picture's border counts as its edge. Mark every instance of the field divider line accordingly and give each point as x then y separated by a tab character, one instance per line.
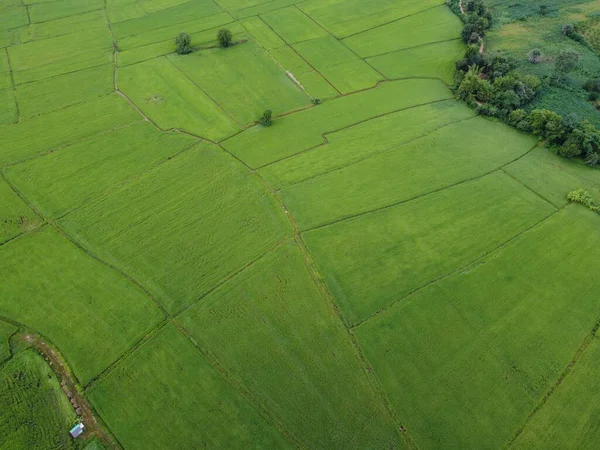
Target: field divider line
412	48
566	371
62	73
205	93
325	134
63	17
395	20
391	205
238	386
23	233
458	270
70	144
14	85
301	57
229	277
138	284
397	146
537	194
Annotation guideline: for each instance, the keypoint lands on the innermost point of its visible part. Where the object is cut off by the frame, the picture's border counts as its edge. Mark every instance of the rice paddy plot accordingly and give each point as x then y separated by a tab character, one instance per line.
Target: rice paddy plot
261	8
373	261
34	411
344	18
152	6
62	181
6	331
172	100
9	113
292	25
361	141
433	60
48	132
553	176
166	395
14	36
62	54
176	15
119	11
15	216
302	130
13	17
436	161
47	95
185	226
5	78
262	33
311	81
243	80
68	25
433	25
338	64
292	334
90	312
43	12
569	418
510	319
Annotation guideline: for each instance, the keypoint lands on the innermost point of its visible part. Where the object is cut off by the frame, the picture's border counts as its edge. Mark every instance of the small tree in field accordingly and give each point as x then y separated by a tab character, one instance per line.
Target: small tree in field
265	120
565	62
183	44
535	56
224	37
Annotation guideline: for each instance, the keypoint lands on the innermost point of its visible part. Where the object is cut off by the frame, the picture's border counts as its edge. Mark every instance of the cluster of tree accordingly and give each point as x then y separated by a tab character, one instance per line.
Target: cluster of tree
183	41
478	19
568	135
571	31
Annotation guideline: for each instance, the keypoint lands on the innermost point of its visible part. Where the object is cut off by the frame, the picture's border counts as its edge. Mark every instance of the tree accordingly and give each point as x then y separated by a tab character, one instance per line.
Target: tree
265	120
183	44
535	56
565	62
224	37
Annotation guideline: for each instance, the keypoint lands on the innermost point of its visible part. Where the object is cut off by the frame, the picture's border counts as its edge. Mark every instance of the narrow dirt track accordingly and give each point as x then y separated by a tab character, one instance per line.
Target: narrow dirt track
80	404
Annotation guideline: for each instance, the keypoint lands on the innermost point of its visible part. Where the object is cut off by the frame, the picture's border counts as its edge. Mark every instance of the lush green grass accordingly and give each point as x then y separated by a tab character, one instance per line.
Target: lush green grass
553	176
67	25
6	331
375	260
569	418
433	162
64	90
344	18
45	11
303	130
433	60
364	140
292	25
13	17
8	114
172	100
70	178
34	412
15	216
184	226
48	132
292	334
90	312
262	33
166	395
243	80
433	25
466	359
5	80
338	64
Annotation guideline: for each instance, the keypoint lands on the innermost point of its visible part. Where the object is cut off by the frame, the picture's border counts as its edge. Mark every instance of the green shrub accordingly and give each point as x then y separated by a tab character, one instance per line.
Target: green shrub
535	56
584	197
224	37
266	119
183	44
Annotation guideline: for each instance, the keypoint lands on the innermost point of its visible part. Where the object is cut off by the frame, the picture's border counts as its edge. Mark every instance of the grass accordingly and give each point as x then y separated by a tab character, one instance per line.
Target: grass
375	260
366	139
66	180
433	25
303	130
292	25
262	33
466	359
6	331
57	128
166	371
555	425
417	168
172	100
9	113
76	302
79	22
184	226
291	333
34	412
45	11
244	81
15	216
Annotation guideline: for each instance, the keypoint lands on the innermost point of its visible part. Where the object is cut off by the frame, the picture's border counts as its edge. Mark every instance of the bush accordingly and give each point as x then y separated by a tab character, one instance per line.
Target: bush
266	119
473	87
183	44
568	29
224	37
592	85
544	10
593	159
534	56
584	197
565	62
316	101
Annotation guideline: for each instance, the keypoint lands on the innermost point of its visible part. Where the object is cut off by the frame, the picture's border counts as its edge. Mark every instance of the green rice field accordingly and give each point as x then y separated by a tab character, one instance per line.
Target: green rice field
379	269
